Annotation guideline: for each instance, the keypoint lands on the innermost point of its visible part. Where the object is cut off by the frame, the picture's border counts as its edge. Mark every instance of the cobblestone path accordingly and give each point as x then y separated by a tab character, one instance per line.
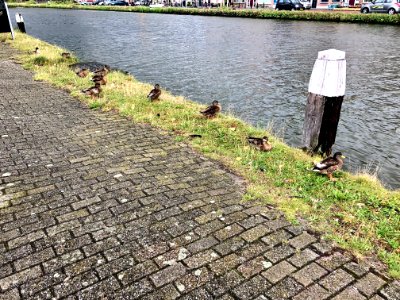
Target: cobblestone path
95	207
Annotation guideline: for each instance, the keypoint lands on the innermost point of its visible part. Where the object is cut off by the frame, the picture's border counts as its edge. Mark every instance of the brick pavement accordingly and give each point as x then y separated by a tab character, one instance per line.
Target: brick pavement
93	206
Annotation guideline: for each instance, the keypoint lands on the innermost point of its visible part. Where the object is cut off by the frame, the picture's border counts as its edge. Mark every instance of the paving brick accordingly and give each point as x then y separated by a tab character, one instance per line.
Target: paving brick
333	261
168	274
285	289
336	280
369	284
251	288
299	259
34	259
193	280
202	244
19	278
167	292
302	240
309	273
278	272
350	293
255	233
200	259
313	292
136	272
279	253
225	264
224	283
254	266
391	291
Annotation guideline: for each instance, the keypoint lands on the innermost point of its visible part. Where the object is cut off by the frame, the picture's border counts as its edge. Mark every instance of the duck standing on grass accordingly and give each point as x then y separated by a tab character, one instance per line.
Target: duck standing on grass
212	110
66	55
102	71
82	73
330	165
154	93
260	143
102	80
36	51
93	91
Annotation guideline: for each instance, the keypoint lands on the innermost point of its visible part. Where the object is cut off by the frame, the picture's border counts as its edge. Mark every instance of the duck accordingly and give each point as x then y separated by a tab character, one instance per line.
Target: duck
36	51
260	143
103	71
154	93
330	165
99	79
212	110
82	72
93	91
66	55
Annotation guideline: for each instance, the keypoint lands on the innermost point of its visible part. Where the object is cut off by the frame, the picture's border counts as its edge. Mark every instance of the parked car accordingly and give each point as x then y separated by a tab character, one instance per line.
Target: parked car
116	2
143	2
306	4
289	5
98	2
381	6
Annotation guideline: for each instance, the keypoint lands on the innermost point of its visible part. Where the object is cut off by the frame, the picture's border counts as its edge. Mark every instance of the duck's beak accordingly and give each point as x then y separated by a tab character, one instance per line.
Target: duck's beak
343	156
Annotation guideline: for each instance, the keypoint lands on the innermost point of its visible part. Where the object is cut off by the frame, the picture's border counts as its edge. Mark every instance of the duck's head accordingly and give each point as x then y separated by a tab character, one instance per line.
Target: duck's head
265	139
338	155
157	86
215	102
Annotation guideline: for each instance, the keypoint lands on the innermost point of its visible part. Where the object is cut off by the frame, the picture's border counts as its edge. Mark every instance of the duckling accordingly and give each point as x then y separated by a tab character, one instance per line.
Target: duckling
330	165
82	72
260	143
212	110
66	55
99	79
154	93
93	91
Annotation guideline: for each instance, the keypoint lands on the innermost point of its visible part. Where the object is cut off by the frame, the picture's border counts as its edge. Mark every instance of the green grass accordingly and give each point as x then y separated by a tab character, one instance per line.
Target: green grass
356	211
327	16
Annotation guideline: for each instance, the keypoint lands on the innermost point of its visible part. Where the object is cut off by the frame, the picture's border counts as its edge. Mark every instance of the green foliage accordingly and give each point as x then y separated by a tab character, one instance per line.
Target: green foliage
40	60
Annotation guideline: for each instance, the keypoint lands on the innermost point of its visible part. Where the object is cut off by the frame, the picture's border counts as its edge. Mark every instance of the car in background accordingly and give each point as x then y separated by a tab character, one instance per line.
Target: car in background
289	5
306	4
98	2
116	2
143	2
390	7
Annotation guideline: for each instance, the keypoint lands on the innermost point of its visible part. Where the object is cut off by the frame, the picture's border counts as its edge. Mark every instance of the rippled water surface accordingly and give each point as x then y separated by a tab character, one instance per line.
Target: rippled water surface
258	69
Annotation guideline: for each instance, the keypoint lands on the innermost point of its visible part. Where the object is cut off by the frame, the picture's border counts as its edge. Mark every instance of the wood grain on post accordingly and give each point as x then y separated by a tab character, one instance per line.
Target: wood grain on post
325	96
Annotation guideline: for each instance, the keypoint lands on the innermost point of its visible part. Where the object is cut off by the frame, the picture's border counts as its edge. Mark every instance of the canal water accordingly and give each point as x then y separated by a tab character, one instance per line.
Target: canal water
258	69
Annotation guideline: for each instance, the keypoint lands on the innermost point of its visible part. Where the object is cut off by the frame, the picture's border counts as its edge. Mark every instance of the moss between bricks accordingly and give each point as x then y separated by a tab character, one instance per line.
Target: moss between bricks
357	211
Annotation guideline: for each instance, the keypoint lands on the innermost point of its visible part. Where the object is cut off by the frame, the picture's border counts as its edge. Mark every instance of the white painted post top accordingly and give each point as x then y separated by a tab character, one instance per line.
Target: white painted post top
331	54
328	77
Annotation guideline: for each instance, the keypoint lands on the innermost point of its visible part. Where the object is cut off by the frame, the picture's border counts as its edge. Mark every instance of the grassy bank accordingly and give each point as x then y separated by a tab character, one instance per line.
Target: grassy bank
243	13
356	211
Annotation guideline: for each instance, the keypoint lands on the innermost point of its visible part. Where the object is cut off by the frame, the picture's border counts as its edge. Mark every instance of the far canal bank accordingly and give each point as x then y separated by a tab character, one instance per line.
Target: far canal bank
337	15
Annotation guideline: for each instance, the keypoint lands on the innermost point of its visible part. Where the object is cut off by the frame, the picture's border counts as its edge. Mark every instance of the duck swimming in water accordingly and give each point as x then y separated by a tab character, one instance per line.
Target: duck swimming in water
260	143
212	110
154	93
330	165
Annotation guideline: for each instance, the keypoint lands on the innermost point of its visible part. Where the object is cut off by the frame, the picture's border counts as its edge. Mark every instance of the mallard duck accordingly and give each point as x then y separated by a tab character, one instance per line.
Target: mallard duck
154	93
82	72
93	91
103	71
260	143
36	51
212	110
99	79
330	165
66	55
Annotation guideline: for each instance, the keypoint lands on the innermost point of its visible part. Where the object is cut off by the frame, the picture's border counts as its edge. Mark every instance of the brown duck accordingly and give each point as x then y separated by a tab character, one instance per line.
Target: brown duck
212	110
154	93
330	165
82	72
66	55
93	91
102	71
99	79
260	143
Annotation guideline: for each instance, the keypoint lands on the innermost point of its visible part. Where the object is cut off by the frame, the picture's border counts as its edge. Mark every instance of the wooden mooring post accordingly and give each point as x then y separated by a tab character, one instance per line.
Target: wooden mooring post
325	96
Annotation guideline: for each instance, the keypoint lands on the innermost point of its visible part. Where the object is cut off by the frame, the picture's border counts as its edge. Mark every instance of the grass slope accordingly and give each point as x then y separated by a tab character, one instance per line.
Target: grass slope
357	211
242	13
